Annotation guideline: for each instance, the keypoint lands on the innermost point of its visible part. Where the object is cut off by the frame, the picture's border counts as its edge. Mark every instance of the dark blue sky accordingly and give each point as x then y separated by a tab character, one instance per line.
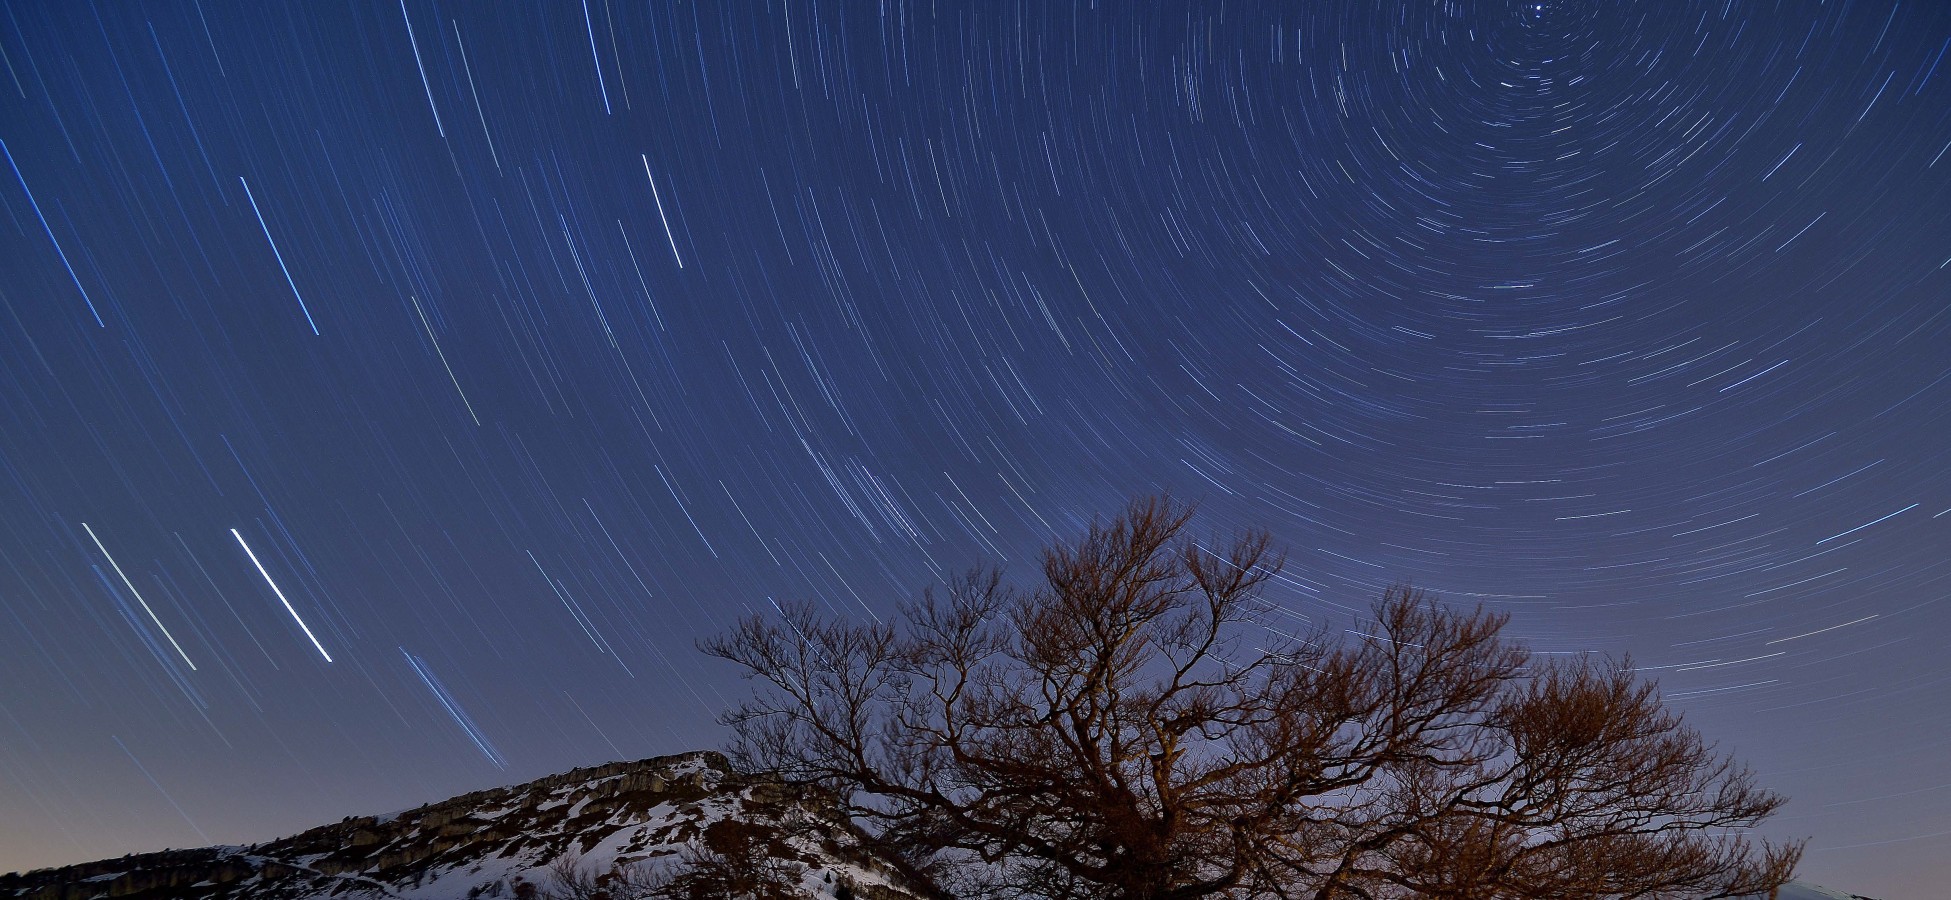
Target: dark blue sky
523	345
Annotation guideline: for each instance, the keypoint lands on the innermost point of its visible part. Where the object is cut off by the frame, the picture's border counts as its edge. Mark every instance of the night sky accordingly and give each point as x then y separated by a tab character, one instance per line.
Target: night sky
391	395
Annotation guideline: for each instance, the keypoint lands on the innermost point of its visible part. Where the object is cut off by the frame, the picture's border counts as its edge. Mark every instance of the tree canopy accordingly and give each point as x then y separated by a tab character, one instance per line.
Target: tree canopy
1141	725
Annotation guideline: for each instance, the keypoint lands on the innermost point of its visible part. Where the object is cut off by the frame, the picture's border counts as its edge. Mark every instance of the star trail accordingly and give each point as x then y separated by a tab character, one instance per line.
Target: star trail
333	330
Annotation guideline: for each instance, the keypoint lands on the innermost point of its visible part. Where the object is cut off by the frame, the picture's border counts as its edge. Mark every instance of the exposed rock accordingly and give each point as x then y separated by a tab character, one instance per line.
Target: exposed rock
488	843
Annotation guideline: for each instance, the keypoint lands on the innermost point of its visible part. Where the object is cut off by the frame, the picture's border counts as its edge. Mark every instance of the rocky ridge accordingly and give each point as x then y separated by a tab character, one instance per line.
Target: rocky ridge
508	842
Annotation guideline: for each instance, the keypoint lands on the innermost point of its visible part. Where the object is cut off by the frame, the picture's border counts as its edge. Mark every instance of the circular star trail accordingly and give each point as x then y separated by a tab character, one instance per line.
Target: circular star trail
391	395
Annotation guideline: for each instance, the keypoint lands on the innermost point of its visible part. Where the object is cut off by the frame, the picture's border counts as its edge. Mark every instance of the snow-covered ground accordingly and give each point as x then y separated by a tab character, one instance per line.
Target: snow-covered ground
490	843
1796	890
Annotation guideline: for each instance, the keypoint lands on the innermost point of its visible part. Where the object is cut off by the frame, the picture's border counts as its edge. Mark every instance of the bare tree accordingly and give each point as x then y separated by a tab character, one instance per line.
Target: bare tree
569	879
735	860
1130	729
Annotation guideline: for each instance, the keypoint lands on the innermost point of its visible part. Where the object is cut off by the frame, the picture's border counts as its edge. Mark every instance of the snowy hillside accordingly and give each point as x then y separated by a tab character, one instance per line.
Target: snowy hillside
520	842
507	842
1796	890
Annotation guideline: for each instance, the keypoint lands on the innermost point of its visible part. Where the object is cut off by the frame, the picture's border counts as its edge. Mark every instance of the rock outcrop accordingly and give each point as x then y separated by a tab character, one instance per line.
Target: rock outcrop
508	842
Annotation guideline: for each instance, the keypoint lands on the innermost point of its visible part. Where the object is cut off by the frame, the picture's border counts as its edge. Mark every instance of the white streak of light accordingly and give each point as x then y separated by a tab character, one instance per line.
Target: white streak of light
443	358
138	596
477	96
423	71
275	252
660	212
281	595
1820	630
1867	524
599	59
57	243
453	707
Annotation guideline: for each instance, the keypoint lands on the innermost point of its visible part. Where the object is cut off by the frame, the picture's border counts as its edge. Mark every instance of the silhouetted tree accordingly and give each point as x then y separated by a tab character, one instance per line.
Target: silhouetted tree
1129	728
734	861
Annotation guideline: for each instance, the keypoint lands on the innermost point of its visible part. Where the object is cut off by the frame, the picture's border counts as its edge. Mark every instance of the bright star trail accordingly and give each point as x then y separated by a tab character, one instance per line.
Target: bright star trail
138	596
281	595
1630	319
279	255
454	711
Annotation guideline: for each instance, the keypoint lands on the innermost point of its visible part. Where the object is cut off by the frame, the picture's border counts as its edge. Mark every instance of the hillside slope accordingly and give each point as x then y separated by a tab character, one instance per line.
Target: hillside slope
516	842
503	843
